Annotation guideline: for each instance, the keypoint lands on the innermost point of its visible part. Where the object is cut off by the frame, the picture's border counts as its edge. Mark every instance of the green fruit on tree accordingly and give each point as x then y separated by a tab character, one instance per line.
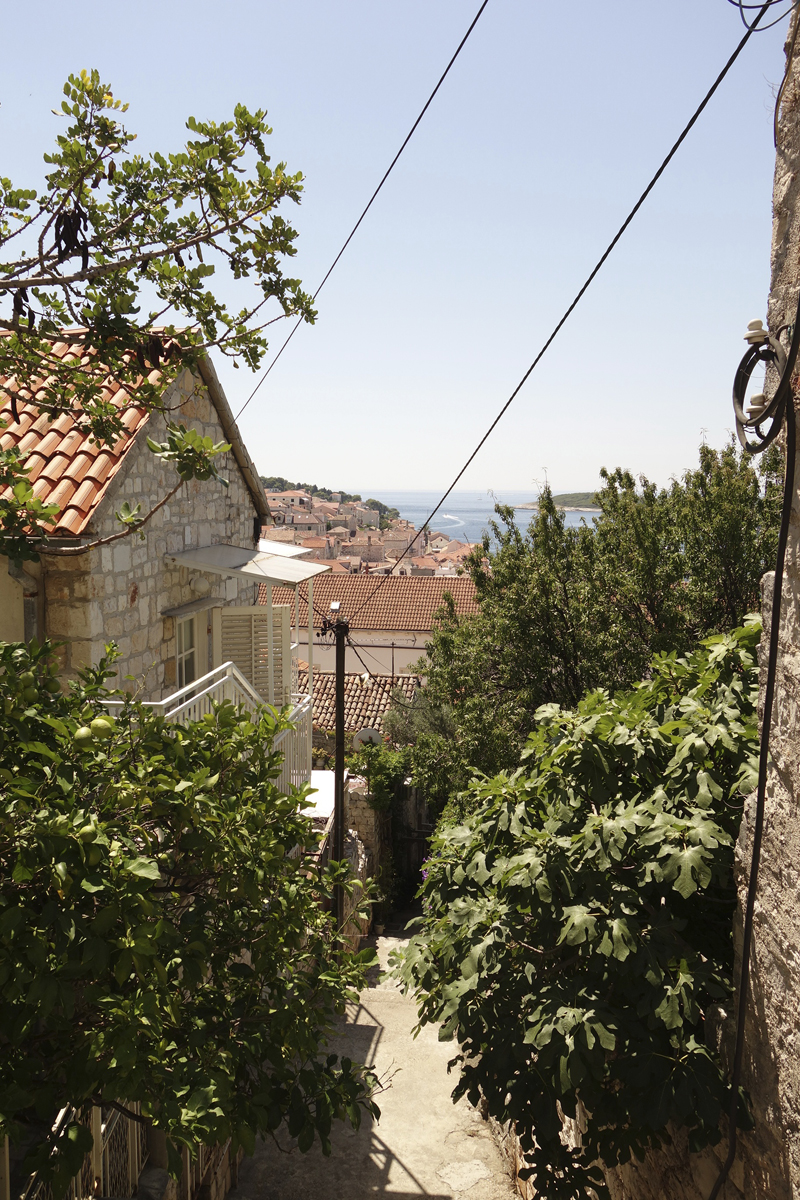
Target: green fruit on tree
29	694
83	737
27	679
52	686
102	728
87	832
93	854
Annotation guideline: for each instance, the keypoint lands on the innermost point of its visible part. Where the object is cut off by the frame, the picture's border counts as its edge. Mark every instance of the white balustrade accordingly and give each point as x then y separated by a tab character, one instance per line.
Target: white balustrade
193	702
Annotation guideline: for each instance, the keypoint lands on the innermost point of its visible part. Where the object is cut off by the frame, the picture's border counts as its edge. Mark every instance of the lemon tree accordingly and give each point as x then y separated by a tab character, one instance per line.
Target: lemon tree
156	943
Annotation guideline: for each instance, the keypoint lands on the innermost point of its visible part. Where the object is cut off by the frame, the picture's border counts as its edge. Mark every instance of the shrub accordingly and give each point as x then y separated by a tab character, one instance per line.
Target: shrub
578	924
156	943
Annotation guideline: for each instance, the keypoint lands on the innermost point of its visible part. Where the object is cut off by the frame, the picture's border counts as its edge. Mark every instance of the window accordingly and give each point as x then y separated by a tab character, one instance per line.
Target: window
186	651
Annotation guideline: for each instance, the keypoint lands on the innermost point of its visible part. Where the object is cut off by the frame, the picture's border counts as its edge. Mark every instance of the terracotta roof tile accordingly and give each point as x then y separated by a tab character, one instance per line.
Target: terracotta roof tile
101	468
365	701
71	520
404	602
34	464
67	468
84	497
59	494
77	466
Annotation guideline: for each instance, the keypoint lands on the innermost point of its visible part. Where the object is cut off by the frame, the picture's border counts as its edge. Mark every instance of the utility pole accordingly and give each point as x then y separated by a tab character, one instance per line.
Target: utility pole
340	629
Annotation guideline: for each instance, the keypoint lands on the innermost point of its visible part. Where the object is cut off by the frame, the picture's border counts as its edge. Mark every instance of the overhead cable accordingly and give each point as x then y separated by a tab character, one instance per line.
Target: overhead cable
789	60
372	198
777	411
590	279
742	7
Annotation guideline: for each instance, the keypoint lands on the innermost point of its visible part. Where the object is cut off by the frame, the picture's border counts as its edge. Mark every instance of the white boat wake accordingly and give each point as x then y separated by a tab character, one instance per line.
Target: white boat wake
449	517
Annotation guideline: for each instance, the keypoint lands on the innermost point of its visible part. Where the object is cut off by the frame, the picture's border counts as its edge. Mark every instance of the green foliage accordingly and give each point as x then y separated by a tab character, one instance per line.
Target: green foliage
578	924
124	249
383	768
156	943
190	453
575	500
385	512
565	610
23	517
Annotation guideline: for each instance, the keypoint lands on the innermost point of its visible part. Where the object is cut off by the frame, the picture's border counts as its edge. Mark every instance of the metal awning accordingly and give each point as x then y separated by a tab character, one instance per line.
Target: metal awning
282	549
257	565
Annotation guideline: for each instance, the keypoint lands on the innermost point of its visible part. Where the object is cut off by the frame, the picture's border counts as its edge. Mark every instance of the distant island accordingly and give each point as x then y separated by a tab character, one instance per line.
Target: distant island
570	501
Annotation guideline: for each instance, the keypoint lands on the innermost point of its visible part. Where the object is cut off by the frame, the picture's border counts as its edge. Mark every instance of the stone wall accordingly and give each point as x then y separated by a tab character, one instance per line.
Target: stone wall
770	1155
356	853
118	592
369	824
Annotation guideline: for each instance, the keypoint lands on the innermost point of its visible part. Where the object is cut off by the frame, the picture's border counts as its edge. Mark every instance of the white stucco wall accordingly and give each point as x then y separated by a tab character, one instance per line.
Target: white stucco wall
12	616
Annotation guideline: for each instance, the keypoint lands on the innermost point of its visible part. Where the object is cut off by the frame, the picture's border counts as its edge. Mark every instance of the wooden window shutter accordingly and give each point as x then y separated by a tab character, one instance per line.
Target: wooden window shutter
242	636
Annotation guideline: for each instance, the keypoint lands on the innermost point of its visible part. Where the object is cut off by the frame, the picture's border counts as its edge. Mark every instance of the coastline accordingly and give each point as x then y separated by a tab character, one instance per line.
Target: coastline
532	506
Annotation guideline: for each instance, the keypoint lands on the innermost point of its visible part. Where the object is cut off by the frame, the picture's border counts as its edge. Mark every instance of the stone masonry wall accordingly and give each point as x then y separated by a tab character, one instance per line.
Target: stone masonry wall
118	592
770	1156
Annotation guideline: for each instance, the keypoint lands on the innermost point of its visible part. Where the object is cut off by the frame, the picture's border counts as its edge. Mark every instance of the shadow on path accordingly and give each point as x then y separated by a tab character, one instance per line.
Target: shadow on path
423	1145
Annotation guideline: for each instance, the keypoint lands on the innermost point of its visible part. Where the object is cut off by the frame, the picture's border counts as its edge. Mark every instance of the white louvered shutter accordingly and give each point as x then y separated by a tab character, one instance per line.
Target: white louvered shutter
241	636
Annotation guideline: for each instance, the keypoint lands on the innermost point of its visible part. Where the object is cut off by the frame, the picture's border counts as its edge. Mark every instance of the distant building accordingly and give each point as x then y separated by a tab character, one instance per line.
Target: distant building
390	626
366	701
292	499
369	548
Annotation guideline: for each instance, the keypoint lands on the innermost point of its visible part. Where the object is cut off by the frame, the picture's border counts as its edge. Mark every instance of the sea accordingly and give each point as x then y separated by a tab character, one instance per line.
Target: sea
464	515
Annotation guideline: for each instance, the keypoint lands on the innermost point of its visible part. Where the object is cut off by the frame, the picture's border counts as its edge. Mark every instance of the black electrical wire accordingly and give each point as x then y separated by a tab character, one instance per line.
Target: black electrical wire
777	21
592	276
782	88
371	673
782	406
758	829
372	198
742	7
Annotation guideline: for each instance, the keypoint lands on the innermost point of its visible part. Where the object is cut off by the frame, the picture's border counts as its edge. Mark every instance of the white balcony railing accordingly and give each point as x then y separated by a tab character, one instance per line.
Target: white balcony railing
113	1165
192	702
296	745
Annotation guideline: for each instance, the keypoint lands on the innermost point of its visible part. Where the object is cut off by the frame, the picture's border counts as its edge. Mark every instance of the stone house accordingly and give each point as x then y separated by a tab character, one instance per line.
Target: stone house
369	548
141	591
363	516
294	499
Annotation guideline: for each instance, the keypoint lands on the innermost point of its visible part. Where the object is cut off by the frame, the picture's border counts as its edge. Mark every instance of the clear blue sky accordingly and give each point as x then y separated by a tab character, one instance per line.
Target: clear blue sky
552	120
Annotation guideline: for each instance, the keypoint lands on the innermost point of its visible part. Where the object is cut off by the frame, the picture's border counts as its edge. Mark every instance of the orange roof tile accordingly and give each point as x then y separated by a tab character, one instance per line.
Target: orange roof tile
66	468
404	602
365	701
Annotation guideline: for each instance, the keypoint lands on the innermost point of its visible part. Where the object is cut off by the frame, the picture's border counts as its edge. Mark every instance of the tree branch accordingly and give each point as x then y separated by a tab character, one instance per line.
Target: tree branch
135	260
120	1108
65	551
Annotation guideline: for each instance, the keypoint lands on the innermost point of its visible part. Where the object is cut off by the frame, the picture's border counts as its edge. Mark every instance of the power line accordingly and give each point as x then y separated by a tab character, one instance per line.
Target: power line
784	81
590	279
372	198
742	7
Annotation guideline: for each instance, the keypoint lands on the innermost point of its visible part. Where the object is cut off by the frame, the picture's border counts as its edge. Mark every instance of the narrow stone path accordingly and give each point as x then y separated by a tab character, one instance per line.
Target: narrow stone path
423	1145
